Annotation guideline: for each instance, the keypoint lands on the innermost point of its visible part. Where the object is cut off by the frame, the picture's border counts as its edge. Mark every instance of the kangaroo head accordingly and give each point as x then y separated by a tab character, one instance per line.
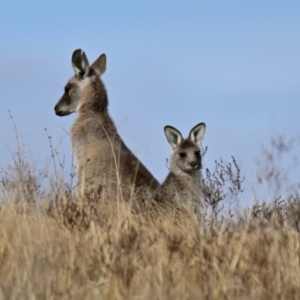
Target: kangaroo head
186	156
84	86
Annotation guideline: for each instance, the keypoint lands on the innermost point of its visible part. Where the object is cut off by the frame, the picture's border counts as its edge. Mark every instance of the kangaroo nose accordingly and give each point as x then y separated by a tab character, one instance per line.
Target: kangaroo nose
193	164
57	111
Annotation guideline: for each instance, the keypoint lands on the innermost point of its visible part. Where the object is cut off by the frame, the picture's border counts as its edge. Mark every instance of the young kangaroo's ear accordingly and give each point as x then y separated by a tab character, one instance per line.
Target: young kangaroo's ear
99	64
174	137
80	63
197	133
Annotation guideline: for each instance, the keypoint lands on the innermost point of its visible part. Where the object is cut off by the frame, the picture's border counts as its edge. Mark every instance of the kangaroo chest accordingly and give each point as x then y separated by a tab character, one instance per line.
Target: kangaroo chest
93	145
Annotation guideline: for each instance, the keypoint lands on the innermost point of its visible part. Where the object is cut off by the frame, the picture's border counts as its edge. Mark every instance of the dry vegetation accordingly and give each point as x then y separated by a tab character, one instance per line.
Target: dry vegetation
56	246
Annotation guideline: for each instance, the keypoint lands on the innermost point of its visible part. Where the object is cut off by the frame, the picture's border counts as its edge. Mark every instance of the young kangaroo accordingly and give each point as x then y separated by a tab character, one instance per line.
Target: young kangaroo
184	182
102	158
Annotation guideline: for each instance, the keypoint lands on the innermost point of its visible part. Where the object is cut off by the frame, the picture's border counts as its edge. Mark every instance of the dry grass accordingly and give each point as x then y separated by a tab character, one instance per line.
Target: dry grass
56	246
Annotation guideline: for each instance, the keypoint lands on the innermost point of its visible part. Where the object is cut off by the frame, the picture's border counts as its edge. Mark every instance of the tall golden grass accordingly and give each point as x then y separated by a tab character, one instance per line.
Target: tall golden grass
54	245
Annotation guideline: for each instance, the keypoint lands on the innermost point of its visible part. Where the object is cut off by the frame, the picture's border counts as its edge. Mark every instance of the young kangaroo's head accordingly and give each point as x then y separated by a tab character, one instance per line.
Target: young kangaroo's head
84	89
186	156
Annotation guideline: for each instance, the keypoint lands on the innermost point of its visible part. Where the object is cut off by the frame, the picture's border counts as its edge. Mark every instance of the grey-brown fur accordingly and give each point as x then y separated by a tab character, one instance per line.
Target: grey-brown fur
102	158
184	181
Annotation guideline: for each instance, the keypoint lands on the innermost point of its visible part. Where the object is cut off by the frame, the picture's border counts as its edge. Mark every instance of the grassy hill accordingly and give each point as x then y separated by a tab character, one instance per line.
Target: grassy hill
54	245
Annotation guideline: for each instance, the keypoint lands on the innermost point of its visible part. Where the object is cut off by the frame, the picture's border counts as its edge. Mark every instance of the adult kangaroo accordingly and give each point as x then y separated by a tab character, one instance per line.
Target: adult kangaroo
102	158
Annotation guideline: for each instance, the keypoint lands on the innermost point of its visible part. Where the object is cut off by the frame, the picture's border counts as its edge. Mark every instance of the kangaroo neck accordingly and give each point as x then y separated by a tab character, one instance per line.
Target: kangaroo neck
94	107
100	119
88	110
95	100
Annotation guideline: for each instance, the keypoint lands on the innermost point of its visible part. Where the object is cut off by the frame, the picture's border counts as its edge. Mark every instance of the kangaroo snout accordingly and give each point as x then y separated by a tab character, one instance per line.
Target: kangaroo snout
59	112
194	164
56	110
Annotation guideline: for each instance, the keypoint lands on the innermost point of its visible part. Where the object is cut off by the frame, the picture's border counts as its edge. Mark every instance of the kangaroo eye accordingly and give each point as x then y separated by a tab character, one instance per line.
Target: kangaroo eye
67	89
182	154
197	153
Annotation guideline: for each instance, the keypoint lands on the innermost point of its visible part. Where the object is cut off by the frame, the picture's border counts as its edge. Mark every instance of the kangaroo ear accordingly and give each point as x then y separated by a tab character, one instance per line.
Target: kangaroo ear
174	137
99	64
197	133
80	63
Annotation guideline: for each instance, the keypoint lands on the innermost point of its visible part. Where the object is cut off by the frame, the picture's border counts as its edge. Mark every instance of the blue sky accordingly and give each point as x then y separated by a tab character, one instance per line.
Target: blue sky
234	65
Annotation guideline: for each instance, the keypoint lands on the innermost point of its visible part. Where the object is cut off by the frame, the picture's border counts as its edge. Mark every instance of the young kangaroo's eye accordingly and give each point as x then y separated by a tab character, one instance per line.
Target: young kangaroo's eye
197	153
182	154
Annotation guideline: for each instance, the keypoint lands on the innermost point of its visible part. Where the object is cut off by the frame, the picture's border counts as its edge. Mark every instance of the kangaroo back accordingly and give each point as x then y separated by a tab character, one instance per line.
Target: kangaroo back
184	181
102	158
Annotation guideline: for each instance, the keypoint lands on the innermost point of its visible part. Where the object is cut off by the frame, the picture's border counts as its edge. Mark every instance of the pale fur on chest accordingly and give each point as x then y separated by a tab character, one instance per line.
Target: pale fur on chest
88	136
78	151
90	148
193	187
96	157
